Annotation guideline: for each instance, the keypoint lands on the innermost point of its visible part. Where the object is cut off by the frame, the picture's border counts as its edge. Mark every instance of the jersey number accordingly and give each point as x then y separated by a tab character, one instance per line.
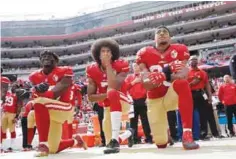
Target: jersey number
71	95
9	101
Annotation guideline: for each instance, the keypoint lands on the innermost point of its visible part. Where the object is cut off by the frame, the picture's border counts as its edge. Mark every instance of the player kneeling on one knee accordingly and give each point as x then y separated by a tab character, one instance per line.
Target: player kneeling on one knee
164	76
106	86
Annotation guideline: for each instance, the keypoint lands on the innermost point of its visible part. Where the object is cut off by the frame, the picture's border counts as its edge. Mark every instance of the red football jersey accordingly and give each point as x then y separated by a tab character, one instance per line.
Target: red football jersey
10	104
52	79
154	59
76	95
100	78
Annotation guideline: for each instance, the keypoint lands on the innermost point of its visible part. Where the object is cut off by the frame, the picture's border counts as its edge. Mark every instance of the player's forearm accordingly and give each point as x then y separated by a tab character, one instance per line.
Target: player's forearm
111	78
97	97
58	91
61	87
149	86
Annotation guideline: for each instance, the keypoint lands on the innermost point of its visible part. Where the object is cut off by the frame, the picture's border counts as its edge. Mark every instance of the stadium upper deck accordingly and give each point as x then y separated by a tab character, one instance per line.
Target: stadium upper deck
195	24
89	21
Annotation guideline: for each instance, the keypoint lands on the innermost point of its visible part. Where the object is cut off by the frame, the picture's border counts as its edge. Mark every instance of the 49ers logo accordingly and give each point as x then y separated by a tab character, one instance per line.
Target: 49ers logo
55	78
174	54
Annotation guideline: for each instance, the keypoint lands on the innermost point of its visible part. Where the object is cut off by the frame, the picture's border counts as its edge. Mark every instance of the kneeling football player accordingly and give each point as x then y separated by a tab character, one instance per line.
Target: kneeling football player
165	78
52	107
106	83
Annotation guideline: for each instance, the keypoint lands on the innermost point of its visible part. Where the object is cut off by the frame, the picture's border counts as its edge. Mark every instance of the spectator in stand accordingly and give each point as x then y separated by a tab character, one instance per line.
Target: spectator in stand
138	94
227	95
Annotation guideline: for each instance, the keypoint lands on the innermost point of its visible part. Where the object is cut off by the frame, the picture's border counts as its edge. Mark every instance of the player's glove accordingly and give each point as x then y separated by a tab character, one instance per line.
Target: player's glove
42	87
157	78
22	94
176	66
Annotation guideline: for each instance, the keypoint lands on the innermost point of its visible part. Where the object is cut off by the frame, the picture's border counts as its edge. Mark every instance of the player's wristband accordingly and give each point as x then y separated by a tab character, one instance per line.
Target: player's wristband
48	94
167	71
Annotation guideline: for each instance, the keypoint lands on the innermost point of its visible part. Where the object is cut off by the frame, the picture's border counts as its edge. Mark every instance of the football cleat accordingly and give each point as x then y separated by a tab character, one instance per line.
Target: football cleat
112	147
42	151
188	142
80	142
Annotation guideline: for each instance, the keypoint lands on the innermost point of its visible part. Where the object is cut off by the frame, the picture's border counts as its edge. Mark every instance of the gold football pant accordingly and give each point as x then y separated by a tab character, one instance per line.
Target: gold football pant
157	115
8	122
107	119
67	131
31	120
50	115
30	127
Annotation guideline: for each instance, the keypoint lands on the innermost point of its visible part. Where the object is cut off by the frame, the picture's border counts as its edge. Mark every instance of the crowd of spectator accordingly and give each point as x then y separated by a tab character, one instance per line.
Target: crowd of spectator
117	33
218	57
215	58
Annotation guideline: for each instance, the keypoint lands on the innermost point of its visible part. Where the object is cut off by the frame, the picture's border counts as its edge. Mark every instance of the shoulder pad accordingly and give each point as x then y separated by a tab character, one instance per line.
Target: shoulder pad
90	69
146	49
33	75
